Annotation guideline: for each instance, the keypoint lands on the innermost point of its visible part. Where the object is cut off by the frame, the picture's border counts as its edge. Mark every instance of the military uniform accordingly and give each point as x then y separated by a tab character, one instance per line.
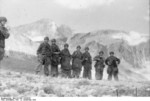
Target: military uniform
112	69
99	67
55	60
87	64
65	63
44	57
76	64
4	34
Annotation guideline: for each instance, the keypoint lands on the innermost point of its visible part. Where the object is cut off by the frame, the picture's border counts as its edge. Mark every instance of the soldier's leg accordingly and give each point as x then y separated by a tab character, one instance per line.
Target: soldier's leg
1	55
39	68
46	66
0	66
63	74
84	73
46	69
54	70
73	73
89	74
110	72
116	77
101	74
78	73
56	73
115	74
40	64
69	73
97	74
110	76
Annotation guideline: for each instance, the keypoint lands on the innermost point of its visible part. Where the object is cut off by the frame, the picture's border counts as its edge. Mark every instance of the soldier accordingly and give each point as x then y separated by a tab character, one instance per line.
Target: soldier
4	34
44	56
87	64
65	62
99	65
55	58
77	62
112	69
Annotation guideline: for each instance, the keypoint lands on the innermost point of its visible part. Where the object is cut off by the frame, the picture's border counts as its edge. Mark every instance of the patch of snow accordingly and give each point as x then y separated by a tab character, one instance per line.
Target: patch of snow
133	38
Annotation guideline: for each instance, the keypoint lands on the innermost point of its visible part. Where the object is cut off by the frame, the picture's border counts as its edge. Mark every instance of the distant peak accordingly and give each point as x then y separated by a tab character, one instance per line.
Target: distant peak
45	20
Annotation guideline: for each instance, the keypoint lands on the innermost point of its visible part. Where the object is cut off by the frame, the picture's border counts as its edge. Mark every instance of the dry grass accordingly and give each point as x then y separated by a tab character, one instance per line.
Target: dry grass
30	85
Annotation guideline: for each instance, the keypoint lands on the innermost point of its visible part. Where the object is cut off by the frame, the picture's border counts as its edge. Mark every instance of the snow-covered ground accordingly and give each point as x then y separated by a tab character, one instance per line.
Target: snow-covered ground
29	85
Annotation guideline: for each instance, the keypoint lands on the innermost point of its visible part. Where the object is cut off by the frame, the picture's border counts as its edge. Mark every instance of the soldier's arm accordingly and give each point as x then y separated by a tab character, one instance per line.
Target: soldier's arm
61	53
118	61
39	49
50	51
106	61
70	55
95	58
58	51
83	57
90	58
73	55
5	33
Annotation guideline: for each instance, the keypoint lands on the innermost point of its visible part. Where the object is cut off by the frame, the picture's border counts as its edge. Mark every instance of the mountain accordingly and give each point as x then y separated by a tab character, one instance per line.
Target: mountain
26	38
131	47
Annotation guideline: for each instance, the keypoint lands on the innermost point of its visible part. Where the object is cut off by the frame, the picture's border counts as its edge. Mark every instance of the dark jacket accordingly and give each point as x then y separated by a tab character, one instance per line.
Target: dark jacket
86	58
44	49
100	61
55	57
112	61
77	60
65	59
3	35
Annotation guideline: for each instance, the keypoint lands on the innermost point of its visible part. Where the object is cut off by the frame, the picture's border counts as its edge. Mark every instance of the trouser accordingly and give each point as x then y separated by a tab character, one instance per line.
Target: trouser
87	73
46	68
99	73
66	73
54	70
112	71
43	60
2	52
76	73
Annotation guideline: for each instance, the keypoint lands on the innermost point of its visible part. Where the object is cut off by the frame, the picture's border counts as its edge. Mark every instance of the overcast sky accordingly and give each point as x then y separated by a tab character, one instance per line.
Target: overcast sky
81	15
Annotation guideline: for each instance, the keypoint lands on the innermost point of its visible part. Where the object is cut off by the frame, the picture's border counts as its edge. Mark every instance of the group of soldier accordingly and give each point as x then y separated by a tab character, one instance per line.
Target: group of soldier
71	64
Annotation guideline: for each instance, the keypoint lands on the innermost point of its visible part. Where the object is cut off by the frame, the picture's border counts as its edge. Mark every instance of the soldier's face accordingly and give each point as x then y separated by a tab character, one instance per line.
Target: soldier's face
46	41
111	54
66	47
78	49
3	23
86	50
101	54
53	42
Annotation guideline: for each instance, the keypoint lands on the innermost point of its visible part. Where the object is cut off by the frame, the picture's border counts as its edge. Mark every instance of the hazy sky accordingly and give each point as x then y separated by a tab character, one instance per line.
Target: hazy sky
81	15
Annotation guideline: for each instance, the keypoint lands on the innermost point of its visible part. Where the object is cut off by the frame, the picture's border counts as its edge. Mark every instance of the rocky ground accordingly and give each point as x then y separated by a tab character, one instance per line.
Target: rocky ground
18	84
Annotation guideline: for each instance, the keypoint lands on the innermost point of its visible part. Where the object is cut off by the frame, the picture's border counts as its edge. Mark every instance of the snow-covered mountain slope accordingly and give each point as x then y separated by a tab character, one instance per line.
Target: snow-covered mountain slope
26	38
